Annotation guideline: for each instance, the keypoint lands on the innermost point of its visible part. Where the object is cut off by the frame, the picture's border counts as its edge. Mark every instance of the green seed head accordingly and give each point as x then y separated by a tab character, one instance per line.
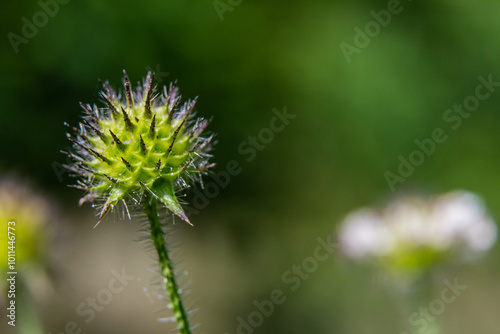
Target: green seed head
28	224
142	142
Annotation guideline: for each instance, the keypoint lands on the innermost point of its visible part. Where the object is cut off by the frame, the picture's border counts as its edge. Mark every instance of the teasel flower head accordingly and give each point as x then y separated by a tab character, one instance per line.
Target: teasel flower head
32	239
30	217
139	141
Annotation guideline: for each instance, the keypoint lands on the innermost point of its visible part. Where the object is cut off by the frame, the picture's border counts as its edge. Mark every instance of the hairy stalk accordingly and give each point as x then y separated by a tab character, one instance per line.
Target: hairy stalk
166	269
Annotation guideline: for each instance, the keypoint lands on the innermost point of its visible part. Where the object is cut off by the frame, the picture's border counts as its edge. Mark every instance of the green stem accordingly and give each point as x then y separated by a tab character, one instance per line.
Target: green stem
166	269
28	322
421	296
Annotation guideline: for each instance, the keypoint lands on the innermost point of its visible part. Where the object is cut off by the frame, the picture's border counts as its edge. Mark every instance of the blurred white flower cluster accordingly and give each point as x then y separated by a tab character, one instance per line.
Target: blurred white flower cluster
413	232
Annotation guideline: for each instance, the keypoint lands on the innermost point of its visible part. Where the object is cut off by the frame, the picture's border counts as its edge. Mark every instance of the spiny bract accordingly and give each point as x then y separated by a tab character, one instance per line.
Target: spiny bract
143	141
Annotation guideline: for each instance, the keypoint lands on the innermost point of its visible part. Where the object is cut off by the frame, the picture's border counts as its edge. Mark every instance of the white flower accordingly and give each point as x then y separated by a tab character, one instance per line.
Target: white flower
410	225
461	218
363	234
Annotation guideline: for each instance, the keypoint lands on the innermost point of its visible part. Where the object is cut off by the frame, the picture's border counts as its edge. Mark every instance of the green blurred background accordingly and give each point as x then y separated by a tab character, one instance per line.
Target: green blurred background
353	120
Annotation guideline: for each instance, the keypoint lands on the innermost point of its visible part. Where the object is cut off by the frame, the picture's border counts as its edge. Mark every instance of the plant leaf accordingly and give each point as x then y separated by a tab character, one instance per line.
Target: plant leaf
115	195
164	190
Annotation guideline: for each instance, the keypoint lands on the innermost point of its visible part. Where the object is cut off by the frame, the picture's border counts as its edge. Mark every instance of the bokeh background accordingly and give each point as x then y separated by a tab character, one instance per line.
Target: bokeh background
353	120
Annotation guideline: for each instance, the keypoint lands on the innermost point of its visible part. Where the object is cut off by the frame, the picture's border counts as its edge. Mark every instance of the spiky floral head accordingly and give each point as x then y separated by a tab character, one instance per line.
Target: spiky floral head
142	142
31	215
